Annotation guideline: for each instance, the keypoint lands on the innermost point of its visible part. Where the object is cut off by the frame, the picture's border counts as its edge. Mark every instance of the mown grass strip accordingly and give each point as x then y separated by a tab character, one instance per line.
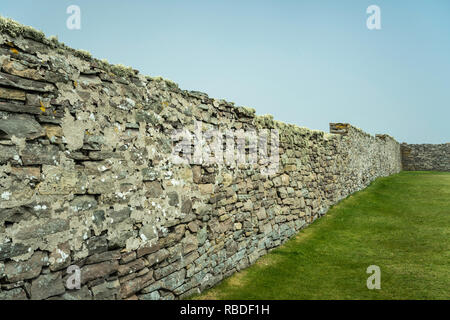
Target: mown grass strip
400	223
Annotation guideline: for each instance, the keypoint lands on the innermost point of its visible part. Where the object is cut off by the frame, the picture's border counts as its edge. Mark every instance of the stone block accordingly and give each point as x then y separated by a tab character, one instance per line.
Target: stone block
47	285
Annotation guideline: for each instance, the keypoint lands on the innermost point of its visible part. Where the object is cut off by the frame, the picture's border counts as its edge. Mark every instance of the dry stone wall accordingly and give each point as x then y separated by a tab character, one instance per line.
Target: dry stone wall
86	179
426	157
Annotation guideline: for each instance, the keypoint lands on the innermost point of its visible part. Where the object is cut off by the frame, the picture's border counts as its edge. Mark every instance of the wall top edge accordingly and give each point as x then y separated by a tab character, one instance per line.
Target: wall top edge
16	30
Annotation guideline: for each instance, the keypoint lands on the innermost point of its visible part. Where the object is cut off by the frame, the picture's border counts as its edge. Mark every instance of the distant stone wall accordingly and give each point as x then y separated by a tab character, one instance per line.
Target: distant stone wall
426	157
87	180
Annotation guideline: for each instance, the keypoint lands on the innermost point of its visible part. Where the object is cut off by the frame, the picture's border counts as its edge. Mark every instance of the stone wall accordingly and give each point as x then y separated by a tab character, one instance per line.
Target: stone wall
426	157
86	179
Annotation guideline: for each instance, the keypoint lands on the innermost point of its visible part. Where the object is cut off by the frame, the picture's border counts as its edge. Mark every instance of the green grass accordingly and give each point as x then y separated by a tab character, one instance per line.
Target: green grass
400	223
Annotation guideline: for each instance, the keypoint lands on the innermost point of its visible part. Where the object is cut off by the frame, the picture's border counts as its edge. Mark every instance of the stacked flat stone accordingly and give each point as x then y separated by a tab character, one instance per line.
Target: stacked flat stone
86	179
426	157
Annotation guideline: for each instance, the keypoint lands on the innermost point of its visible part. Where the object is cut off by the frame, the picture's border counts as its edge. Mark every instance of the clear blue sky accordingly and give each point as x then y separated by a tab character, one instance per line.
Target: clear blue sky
305	62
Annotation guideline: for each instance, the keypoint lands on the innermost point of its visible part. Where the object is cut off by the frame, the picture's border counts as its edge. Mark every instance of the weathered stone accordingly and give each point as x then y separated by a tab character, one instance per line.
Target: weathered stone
24	270
145	116
128	257
148	249
227	179
108	290
165	271
197	174
175	266
53	132
148	232
82	294
12	94
174	280
128	277
35	154
173	237
83	203
150	296
206	188
9	154
98	217
149	174
17	214
186	206
103	155
188	218
426	157
152	287
285	180
132	267
167	295
89	142
189	293
266	228
46	286
173	198
193	226
42	229
14	294
25	84
202	235
96	183
154	189
62	182
97	244
157	257
19	108
130	287
99	270
277	181
190	244
290	168
261	214
120	215
103	256
18	69
10	250
31	173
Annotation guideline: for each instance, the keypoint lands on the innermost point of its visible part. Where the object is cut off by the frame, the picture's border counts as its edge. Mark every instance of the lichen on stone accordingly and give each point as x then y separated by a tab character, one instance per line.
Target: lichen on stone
15	29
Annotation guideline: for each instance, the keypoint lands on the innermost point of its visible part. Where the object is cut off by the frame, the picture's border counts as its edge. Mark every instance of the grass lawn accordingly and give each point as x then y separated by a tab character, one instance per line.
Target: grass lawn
400	223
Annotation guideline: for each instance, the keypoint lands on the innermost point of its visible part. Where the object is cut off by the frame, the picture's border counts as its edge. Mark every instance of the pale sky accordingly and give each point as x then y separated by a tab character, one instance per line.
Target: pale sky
305	62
